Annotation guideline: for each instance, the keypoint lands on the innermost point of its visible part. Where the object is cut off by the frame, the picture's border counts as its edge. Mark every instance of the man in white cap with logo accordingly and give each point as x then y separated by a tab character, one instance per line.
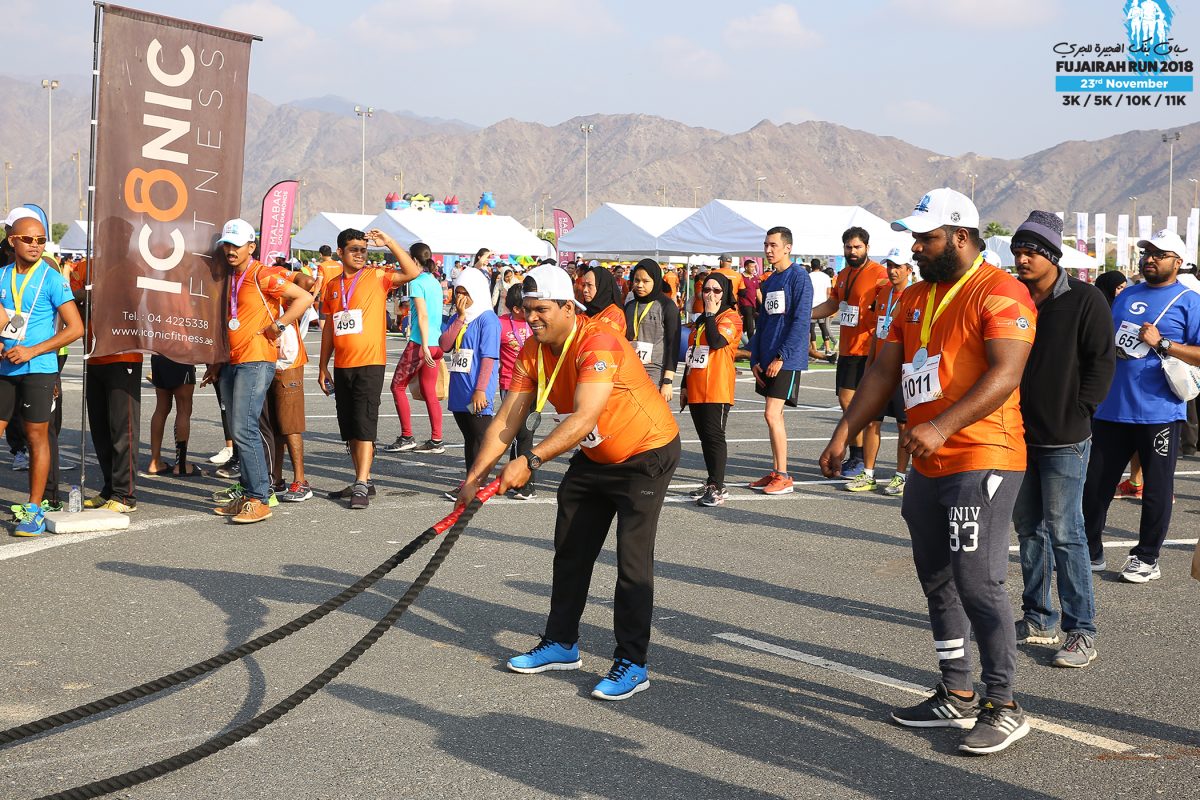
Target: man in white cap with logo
254	325
957	345
1156	320
628	449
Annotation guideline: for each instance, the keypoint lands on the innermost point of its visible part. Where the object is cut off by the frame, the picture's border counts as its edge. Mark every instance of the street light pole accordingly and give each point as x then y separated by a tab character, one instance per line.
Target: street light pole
587	130
400	178
758	182
972	176
50	86
1169	139
1134	199
7	169
545	197
78	181
1195	192
363	113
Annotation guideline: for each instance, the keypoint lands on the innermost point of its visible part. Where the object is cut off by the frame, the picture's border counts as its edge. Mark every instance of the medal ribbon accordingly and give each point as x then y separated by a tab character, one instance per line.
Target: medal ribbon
19	296
543	387
931	316
235	286
461	333
637	321
347	296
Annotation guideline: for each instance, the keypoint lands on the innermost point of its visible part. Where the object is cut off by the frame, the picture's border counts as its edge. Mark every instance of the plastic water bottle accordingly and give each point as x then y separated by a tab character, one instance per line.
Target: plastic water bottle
75	504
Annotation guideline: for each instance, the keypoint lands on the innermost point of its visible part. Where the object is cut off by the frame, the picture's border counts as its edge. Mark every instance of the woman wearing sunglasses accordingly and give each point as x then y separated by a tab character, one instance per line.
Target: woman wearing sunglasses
708	380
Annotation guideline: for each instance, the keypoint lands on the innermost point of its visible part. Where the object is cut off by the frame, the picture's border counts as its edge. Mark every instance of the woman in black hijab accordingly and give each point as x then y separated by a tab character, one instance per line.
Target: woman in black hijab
602	298
709	380
652	326
1110	284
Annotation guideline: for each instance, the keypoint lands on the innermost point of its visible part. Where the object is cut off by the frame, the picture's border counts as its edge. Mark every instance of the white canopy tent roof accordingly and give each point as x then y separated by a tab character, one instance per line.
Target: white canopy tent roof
1071	258
623	229
461	233
325	227
736	226
75	239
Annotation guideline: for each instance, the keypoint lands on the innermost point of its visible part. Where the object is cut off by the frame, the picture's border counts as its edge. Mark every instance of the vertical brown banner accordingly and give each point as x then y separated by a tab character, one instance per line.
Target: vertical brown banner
170	146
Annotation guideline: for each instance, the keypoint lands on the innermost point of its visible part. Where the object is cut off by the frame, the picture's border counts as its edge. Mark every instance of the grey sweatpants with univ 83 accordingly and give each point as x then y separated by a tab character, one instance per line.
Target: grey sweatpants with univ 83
959	525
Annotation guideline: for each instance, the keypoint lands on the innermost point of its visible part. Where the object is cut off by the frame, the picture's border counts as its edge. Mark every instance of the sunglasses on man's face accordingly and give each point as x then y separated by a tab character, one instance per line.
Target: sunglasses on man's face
24	239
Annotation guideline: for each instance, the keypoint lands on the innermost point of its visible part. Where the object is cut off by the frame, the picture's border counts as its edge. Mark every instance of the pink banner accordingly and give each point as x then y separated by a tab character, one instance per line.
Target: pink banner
278	206
562	226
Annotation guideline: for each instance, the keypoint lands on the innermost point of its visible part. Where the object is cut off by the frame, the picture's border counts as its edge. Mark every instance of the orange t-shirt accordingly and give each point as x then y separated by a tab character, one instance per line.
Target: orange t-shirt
636	418
735	279
672	281
879	306
368	348
715	382
856	286
327	271
697	298
991	305
257	307
614	316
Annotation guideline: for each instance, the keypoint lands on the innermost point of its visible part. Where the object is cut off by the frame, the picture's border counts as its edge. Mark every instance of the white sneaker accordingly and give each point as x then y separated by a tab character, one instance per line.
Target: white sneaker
221	456
1138	571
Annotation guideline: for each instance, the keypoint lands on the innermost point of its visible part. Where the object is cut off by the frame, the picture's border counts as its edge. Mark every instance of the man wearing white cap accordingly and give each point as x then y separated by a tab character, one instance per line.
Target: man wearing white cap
957	346
1154	320
254	325
628	449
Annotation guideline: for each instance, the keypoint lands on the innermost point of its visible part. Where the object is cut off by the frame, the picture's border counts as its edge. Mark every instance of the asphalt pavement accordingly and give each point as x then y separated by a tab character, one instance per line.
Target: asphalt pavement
785	629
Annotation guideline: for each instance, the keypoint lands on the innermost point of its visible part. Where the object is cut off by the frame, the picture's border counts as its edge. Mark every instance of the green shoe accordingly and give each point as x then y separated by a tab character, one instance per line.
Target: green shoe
895	487
229	493
862	483
47	506
272	501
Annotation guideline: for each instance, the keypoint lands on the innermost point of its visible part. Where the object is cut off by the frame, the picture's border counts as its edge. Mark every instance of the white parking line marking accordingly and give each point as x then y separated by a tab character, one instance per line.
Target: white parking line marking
1100	742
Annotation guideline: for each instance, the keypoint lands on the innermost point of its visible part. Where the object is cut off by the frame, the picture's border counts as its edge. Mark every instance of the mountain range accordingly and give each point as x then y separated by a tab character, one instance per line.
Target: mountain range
632	158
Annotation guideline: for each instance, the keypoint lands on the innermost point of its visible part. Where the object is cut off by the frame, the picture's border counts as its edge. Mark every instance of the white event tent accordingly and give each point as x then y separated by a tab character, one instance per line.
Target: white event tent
461	233
1071	258
623	229
324	229
75	239
737	226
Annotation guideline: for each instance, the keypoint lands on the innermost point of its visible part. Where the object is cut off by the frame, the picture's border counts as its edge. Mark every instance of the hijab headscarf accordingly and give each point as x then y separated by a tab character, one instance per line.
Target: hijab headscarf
727	298
1108	283
606	292
651	268
476	284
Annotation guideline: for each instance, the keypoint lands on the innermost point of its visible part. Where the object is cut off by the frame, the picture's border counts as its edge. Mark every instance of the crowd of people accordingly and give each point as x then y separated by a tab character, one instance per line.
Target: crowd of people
1020	400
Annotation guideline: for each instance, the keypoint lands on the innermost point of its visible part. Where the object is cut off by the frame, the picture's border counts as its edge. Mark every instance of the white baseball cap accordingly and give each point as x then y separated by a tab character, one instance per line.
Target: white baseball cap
236	232
20	212
1167	242
940	207
899	256
553	283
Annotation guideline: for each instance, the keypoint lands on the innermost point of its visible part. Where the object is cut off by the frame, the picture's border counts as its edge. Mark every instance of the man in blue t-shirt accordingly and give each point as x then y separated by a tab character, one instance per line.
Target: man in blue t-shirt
1154	320
33	295
420	359
779	348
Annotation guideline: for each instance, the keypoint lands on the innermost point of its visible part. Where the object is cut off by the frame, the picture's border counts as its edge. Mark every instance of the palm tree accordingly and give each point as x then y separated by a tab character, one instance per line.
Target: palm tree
995	229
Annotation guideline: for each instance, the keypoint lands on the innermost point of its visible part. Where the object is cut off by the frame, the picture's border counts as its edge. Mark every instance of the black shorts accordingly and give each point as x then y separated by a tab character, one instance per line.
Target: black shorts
169	375
356	392
33	390
782	387
850	371
895	408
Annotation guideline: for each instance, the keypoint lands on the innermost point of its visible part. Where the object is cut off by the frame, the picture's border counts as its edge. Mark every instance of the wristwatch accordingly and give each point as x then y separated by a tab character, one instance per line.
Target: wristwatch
279	326
533	460
1164	346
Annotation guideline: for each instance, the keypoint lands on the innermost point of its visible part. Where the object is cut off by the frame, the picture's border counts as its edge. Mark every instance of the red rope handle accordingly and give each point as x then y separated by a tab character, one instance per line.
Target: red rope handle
483	495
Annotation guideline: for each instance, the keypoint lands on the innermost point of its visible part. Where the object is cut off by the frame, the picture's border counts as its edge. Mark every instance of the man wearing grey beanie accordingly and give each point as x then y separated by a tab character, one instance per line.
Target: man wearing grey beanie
1067	375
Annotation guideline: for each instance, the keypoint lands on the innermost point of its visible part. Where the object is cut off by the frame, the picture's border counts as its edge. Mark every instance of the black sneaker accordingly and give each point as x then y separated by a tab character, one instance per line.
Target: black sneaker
359	495
402	445
526	492
452	494
996	728
348	491
712	497
430	446
231	471
942	710
1029	633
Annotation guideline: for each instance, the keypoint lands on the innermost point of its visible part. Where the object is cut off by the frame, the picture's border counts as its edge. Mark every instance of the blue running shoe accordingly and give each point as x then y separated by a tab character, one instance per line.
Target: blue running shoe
30	519
546	656
853	467
623	681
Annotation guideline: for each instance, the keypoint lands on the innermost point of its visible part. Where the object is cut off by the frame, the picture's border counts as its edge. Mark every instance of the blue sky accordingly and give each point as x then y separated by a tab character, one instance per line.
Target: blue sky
950	75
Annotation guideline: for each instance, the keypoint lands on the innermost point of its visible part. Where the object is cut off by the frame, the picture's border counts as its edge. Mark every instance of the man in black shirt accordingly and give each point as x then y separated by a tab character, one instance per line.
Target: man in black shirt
1067	375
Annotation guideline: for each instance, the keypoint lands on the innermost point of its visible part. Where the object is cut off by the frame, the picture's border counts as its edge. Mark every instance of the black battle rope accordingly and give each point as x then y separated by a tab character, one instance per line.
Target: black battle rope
453	525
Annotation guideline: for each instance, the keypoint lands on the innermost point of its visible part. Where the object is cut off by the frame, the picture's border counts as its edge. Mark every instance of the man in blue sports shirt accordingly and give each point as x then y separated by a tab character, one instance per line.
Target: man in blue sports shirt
779	348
